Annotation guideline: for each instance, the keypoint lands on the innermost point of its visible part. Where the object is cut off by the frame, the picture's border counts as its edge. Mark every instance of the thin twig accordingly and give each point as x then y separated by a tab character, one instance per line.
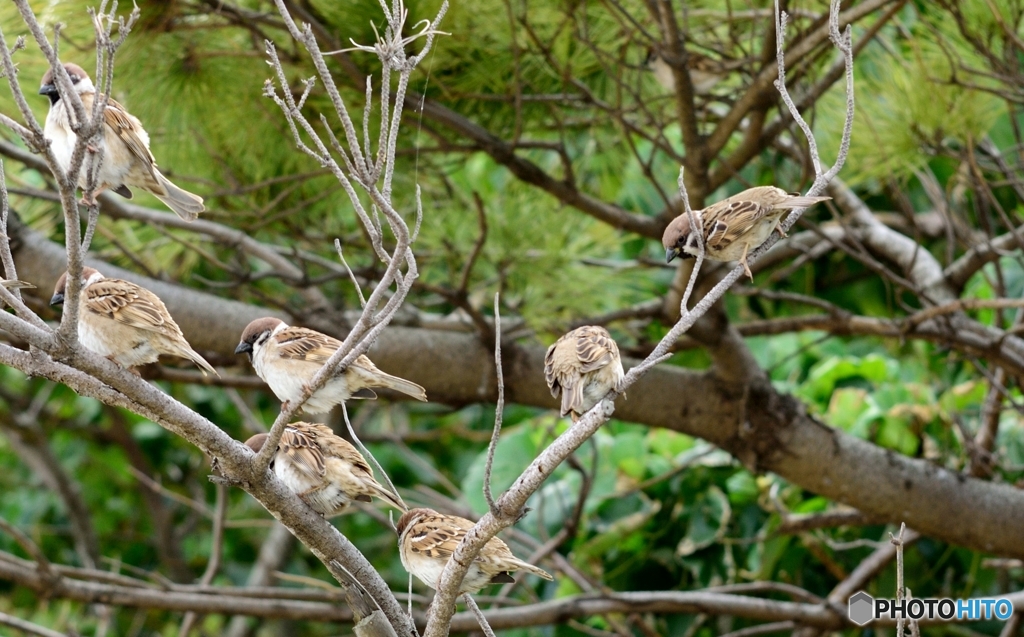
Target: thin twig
471	605
499	409
366	452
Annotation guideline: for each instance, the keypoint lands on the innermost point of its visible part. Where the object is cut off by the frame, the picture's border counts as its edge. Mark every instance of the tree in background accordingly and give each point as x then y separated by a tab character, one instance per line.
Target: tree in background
867	377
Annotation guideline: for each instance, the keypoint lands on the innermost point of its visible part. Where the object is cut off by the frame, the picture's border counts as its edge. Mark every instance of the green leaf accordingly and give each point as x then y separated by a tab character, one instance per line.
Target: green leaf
707	520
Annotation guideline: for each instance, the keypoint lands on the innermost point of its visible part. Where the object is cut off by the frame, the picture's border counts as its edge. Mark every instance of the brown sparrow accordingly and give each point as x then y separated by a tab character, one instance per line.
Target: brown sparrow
125	322
427	539
704	72
288	357
126	157
323	469
734	226
581	368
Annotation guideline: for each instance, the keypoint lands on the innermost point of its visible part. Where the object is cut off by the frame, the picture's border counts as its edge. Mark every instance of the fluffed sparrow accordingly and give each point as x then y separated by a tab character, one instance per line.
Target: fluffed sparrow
126	157
323	469
126	322
427	539
288	357
581	368
704	72
734	226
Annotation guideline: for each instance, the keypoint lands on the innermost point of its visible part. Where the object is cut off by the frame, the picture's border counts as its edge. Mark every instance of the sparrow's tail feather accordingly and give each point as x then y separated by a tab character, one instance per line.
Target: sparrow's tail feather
183	203
194	356
526	566
801	202
407	387
387	496
572	399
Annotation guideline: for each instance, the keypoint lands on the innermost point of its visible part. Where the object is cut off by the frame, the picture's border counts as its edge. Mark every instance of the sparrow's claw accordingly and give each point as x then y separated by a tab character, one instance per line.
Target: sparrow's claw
743	262
782	233
92	149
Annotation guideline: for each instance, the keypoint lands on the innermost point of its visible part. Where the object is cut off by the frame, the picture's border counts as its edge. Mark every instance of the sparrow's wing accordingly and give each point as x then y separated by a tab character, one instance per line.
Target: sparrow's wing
305	344
131	305
301	449
727	220
553	367
130	130
338	447
438	536
594	348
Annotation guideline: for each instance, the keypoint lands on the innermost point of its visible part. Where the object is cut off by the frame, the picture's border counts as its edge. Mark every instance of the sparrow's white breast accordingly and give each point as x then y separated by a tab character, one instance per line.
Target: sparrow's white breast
293	478
58	130
288	377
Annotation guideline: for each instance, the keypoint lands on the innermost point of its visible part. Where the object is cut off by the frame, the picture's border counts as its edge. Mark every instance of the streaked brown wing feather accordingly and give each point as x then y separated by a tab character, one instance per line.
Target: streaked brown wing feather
595	349
303	451
118	119
303	344
338	447
441	539
550	374
731	220
131	305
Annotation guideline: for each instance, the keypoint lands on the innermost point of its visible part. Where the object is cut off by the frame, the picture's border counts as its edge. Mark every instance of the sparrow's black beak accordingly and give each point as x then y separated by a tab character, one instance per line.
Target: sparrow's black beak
244	347
57	299
670	254
50	91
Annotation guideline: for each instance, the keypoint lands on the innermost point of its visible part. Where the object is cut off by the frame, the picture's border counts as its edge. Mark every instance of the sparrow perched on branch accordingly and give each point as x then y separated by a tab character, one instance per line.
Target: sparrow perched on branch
323	469
734	226
126	157
125	322
288	358
704	72
427	539
581	368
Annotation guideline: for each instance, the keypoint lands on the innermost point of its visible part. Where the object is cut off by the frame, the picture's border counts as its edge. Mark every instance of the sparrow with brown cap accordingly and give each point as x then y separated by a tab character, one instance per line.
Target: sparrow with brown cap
323	469
287	358
126	322
733	227
126	161
427	539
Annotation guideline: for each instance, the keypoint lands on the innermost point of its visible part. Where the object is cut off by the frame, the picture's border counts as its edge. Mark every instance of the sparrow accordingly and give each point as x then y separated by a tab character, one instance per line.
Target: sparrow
287	358
126	157
704	72
734	226
581	368
323	469
125	322
427	539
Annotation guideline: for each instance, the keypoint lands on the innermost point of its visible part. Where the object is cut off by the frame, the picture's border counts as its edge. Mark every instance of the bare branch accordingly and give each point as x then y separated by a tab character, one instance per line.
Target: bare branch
499	409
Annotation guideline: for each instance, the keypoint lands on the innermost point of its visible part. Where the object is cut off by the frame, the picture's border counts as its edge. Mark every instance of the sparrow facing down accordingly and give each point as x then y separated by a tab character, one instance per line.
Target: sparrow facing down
323	469
581	368
287	358
125	322
734	226
126	157
427	539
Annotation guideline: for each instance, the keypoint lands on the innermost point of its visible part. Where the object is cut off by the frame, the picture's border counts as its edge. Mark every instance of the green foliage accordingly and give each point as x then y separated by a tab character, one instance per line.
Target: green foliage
661	509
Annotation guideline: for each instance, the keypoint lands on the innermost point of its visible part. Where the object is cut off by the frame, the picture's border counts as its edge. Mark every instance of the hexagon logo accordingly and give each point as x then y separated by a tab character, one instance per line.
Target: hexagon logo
861	607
